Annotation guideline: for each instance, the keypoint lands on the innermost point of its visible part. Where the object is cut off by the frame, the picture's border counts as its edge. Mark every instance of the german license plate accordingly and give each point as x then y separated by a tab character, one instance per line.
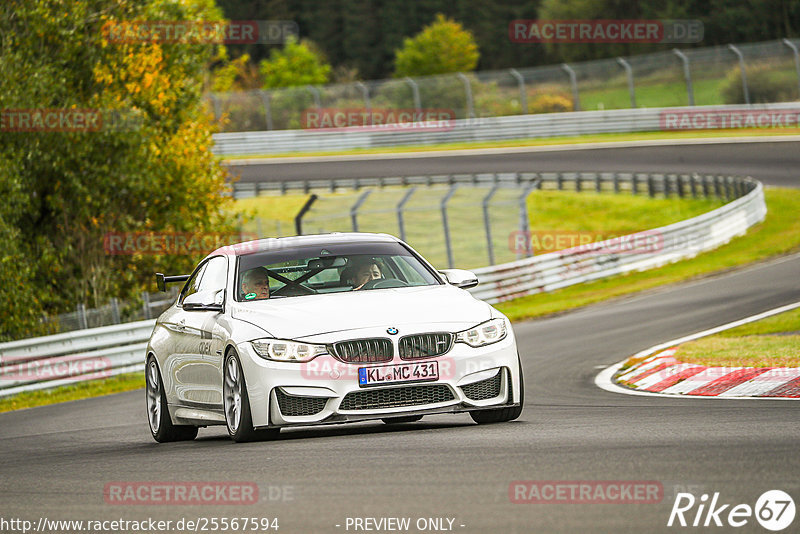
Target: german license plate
393	374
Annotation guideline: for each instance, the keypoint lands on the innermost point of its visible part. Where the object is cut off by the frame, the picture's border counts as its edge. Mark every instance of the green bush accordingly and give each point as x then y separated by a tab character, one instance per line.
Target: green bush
550	104
764	85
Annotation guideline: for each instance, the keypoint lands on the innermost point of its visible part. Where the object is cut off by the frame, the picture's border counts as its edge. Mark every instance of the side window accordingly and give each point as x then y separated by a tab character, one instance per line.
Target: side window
215	277
193	284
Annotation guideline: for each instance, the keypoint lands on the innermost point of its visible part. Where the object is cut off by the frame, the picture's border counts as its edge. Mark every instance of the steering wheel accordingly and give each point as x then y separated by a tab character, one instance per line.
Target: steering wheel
384	283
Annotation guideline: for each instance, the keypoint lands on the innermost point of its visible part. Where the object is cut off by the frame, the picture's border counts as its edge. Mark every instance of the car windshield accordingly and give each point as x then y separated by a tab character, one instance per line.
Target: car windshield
330	269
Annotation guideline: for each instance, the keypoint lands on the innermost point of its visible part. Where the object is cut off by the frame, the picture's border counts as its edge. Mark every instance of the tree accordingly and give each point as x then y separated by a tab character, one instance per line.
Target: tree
440	48
299	63
148	167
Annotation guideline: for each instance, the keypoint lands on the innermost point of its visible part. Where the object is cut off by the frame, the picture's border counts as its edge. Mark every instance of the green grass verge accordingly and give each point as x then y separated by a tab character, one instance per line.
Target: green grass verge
771	342
778	234
512	143
81	390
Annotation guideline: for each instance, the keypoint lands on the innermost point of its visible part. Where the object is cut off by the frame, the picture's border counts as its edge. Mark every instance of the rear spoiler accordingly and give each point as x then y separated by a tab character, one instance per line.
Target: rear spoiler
162	280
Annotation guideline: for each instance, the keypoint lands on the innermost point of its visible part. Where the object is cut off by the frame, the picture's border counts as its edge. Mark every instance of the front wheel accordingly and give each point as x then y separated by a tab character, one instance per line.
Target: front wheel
500	415
236	404
161	426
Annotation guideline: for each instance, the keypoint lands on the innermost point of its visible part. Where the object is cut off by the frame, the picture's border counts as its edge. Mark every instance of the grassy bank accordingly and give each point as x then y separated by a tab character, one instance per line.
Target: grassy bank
778	234
771	342
82	390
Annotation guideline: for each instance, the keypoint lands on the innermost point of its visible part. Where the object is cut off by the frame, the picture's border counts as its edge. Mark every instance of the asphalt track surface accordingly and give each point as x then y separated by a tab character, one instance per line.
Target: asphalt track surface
56	460
777	163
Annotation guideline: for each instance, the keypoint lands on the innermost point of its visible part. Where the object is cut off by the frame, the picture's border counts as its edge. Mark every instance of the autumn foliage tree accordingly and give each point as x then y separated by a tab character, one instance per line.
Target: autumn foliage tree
442	47
149	168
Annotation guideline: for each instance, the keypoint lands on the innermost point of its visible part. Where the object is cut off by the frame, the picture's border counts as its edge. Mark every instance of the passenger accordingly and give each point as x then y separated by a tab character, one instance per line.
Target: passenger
255	284
359	274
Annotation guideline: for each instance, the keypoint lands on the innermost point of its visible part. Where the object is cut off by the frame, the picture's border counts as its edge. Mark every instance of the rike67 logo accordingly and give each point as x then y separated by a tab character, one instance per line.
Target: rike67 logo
774	510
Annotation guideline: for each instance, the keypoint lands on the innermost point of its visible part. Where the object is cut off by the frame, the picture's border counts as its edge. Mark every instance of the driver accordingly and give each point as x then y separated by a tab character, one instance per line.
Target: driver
255	284
363	273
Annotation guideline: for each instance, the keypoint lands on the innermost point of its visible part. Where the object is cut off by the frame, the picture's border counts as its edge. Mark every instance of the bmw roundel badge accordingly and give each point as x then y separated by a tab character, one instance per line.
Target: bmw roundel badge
391	330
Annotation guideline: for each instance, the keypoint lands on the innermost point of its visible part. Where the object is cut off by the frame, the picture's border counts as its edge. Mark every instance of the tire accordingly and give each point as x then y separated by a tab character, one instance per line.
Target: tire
501	415
161	427
236	404
401	419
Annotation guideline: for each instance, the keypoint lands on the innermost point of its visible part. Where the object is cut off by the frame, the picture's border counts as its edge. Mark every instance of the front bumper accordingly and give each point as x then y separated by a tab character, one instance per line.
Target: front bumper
326	390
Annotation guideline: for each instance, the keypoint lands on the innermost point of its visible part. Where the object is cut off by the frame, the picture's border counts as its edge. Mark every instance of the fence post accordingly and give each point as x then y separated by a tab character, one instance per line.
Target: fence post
744	73
217	108
524	224
356	207
298	219
693	184
146	304
367	106
573	80
115	310
523	95
629	73
400	207
446	226
82	322
467	95
796	55
487	225
415	93
651	189
616	182
265	101
317	100
687	74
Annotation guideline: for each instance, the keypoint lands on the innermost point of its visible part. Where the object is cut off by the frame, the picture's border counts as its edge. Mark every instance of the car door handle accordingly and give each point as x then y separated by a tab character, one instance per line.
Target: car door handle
182	324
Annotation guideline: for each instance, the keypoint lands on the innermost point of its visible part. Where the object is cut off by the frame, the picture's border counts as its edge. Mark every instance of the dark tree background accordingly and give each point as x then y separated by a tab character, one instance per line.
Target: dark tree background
364	34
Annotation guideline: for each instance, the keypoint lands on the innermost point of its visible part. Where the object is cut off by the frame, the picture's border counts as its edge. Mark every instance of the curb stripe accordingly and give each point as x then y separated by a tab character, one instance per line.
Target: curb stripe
678	377
728	381
789	389
765	383
668	362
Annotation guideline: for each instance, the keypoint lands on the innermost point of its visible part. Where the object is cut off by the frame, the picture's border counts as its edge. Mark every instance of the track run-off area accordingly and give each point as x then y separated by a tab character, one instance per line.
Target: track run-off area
58	461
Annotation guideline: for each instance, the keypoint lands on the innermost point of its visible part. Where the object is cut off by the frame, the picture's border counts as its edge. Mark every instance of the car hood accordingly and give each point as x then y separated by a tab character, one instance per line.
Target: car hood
298	317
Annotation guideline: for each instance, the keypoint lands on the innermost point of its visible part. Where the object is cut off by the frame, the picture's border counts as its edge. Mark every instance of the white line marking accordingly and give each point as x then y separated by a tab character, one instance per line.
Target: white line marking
604	380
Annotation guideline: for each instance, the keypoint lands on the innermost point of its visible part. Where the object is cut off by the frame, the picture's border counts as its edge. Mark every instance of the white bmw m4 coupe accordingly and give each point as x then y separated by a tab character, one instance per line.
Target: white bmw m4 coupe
325	329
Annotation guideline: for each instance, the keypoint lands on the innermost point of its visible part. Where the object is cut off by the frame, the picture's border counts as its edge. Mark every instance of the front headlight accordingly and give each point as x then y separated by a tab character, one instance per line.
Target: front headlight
484	334
282	350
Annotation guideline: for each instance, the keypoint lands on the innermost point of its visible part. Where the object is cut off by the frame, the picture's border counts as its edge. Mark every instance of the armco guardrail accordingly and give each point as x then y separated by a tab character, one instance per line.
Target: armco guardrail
684	239
63	359
465	130
94	353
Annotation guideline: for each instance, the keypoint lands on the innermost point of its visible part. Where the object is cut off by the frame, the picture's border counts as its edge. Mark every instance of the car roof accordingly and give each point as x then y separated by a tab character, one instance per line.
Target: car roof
259	245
